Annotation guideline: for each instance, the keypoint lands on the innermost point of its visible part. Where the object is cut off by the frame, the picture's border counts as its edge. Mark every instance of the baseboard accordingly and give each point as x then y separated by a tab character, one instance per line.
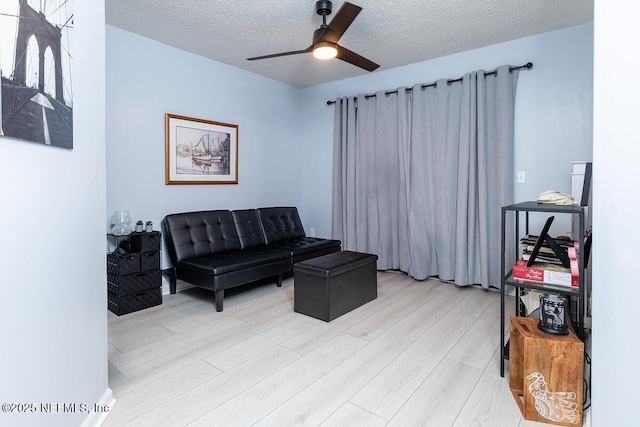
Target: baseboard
97	418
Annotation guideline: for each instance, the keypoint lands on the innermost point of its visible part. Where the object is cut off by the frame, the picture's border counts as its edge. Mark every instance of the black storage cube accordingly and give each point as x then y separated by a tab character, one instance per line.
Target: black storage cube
149	261
121	265
134	282
329	286
145	241
128	303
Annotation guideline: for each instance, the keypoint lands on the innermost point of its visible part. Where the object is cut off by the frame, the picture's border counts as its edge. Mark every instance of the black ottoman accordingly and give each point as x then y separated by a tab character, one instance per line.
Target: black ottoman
331	285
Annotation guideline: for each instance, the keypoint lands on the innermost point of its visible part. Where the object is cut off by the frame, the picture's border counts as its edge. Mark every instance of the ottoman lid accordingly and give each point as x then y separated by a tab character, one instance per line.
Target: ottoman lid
334	263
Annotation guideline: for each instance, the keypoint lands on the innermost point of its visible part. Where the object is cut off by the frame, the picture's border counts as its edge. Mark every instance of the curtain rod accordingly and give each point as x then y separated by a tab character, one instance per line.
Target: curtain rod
527	66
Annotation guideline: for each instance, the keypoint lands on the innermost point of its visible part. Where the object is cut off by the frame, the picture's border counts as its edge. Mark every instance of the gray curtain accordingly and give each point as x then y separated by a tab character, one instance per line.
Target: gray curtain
420	176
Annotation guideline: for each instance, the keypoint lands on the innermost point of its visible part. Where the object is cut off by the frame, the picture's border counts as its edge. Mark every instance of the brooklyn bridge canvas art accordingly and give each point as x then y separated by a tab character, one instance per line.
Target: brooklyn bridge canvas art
35	64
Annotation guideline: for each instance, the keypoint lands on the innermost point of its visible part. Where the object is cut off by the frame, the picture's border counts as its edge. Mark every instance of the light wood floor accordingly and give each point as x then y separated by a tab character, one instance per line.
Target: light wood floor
423	353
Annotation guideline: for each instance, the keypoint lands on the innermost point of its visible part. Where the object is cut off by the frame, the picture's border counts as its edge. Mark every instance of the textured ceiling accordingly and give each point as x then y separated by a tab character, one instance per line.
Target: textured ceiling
390	32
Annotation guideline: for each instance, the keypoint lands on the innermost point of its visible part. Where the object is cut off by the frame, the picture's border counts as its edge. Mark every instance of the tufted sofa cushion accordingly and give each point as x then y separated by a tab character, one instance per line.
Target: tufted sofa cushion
197	234
280	223
249	228
283	231
302	248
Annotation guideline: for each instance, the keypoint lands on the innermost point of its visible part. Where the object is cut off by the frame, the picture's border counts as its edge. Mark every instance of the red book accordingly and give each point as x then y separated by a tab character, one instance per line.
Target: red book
547	273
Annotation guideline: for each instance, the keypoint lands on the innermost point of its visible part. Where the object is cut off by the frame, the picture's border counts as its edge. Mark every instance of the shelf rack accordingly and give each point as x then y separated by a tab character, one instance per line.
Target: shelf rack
508	280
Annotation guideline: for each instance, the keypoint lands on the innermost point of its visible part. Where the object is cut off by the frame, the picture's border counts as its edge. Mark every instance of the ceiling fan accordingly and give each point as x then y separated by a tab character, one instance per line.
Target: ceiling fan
325	39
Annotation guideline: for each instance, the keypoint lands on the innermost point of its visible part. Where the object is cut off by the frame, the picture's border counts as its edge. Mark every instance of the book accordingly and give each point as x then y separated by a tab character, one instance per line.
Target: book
545	253
545	258
528	244
547	273
531	239
544	249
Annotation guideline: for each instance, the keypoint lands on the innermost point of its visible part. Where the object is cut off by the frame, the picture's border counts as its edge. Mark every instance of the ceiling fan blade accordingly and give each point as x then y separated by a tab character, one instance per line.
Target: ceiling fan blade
275	55
339	24
355	59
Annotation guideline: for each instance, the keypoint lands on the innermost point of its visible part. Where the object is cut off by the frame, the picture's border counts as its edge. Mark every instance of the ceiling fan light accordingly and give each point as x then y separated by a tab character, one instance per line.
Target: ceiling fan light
325	50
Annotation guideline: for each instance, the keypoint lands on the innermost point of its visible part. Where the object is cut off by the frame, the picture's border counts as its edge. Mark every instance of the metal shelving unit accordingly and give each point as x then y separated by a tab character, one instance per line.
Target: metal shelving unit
507	279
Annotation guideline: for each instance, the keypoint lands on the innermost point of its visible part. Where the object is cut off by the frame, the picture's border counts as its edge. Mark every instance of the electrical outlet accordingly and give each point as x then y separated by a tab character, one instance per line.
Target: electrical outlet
312	232
521	177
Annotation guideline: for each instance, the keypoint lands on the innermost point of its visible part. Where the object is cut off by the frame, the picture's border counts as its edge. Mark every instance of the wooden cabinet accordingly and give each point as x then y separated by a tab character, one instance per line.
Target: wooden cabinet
134	280
545	373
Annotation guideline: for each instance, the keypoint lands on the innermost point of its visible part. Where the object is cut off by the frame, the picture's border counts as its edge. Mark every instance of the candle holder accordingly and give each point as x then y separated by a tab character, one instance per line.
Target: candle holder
121	221
553	314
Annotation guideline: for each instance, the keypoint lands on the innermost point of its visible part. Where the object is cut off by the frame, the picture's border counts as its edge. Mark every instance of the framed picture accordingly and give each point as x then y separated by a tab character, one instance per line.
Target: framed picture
200	151
36	62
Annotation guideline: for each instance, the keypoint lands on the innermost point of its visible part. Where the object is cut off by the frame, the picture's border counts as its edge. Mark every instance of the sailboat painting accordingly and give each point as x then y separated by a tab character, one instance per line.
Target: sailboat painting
35	65
200	151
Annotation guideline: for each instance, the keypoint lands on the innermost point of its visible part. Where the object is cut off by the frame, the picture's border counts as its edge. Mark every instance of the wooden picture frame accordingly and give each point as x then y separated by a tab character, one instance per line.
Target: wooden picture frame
200	151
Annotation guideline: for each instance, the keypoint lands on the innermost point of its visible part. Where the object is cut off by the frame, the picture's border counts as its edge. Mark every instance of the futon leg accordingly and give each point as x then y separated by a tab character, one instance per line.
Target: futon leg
172	281
279	282
219	299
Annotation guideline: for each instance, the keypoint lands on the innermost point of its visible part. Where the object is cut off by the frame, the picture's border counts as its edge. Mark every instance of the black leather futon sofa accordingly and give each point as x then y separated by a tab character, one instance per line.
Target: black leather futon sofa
222	249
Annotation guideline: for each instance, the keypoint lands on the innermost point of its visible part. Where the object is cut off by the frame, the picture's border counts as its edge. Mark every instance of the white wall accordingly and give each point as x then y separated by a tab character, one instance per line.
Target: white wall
553	112
616	150
53	305
146	80
286	134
